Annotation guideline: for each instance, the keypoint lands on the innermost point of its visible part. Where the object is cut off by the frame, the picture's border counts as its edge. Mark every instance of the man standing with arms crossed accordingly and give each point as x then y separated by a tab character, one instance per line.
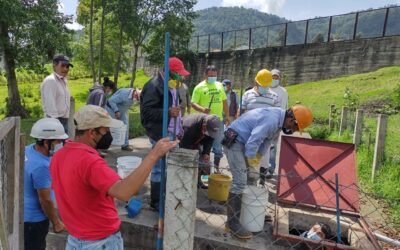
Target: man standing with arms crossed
55	93
209	98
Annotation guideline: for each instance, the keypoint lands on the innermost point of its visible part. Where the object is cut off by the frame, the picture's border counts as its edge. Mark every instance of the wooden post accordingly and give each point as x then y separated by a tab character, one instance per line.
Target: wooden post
343	120
71	125
379	143
331	121
358	127
180	199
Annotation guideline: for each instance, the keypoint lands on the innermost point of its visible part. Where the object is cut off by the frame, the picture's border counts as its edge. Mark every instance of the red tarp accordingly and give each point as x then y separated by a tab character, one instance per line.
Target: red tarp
307	171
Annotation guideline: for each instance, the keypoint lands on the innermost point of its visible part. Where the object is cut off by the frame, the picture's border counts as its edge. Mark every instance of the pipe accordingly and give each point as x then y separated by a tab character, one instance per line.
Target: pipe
387	239
339	229
160	234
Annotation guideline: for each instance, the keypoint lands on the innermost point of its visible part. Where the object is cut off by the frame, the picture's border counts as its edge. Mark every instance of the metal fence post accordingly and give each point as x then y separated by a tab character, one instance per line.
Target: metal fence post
343	120
222	41
306	35
329	28
198	43
284	42
180	199
355	26
379	143
71	125
250	38
358	127
209	43
234	44
385	23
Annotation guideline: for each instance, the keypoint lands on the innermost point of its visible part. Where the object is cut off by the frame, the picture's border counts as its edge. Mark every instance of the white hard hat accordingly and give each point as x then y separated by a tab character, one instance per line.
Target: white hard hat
48	128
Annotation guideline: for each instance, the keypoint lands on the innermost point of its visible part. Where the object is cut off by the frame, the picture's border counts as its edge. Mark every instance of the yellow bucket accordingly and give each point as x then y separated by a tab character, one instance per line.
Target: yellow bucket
218	187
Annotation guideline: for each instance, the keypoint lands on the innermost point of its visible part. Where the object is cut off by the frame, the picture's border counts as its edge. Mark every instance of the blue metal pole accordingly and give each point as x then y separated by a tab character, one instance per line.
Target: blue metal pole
339	229
160	234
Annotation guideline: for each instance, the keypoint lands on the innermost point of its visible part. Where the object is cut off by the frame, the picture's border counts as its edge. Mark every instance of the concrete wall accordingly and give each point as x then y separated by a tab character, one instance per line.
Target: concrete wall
302	63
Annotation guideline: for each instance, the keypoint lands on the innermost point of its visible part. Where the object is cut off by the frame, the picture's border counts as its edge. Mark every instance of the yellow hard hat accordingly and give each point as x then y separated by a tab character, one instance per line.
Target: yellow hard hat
303	116
264	78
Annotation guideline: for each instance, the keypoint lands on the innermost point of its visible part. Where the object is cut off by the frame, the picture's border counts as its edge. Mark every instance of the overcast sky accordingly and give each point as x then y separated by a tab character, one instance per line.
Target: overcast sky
290	9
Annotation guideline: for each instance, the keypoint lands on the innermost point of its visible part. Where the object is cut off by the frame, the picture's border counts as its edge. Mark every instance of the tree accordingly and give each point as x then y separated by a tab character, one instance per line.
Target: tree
31	32
91	41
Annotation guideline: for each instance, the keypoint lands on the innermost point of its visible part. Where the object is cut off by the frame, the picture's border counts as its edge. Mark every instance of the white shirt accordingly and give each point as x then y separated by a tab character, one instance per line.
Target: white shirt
55	96
252	100
282	96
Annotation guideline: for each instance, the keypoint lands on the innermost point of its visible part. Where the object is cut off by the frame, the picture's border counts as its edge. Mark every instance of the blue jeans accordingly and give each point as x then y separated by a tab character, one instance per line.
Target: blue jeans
217	146
112	242
156	170
237	166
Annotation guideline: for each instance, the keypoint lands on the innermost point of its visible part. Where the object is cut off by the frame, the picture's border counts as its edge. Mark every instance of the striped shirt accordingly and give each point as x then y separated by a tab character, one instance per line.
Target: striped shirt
252	100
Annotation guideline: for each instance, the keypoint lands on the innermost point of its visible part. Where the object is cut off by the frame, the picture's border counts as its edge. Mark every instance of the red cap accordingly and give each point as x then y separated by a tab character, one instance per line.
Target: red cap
176	65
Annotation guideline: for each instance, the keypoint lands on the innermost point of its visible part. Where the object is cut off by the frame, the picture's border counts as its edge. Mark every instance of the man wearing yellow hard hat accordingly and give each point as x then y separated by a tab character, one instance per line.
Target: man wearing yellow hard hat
245	142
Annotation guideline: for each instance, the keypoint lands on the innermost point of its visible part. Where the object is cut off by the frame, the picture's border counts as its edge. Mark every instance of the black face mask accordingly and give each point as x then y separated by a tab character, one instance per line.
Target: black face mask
105	141
287	131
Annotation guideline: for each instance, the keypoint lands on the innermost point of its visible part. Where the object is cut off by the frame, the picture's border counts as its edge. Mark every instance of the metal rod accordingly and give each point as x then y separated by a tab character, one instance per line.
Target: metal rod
285	38
209	42
222	41
339	229
198	43
250	38
306	35
160	234
385	23
234	47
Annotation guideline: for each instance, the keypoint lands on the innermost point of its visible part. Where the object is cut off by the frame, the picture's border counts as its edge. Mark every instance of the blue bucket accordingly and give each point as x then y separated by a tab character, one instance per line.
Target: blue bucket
134	206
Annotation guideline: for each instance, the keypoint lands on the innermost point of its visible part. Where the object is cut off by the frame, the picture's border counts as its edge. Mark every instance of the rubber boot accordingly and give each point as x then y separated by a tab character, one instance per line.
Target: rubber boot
233	225
263	175
155	195
216	164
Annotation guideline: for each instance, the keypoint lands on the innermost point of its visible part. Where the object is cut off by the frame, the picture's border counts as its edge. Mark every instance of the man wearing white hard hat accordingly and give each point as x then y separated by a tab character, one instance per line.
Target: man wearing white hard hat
85	186
38	197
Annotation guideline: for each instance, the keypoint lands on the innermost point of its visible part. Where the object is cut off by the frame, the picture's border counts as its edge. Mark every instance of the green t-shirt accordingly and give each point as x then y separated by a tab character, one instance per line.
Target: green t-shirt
202	95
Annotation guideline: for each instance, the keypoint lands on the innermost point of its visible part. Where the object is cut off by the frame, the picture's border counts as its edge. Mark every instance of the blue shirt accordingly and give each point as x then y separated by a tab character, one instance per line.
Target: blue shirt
121	100
36	176
258	128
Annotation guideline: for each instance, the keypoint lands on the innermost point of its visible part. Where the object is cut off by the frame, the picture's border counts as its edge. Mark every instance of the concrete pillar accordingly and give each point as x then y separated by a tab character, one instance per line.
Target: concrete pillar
331	117
180	199
71	125
358	127
22	143
343	120
379	143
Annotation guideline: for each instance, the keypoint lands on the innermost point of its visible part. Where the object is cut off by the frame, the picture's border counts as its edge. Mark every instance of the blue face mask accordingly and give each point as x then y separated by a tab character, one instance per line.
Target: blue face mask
263	90
313	236
275	83
211	79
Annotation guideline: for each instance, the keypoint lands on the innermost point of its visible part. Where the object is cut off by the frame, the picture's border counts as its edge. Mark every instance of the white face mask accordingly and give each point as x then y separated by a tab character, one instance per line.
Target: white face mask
211	79
275	83
55	149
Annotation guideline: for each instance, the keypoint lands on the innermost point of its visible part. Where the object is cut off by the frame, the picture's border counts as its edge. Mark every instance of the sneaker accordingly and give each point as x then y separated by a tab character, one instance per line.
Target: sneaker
127	148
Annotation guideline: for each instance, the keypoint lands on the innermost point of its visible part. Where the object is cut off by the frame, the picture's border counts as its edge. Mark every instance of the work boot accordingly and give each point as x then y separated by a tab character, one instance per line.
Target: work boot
232	224
155	195
216	163
263	175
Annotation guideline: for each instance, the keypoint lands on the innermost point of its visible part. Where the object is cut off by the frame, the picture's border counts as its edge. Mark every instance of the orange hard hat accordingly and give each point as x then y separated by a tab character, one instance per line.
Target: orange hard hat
303	116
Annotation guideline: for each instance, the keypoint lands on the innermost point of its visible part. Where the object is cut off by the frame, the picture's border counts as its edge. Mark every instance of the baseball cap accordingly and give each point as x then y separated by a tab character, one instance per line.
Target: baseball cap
91	116
226	81
176	65
212	125
62	58
276	72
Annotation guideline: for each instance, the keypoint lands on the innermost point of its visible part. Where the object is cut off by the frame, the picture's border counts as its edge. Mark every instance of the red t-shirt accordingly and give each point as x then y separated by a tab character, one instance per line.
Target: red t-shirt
81	180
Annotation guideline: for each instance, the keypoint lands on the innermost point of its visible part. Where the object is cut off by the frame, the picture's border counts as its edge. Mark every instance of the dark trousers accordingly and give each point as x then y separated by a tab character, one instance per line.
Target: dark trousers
64	122
35	235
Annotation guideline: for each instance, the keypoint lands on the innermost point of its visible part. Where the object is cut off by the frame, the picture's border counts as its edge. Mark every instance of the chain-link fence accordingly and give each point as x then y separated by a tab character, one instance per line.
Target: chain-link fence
11	230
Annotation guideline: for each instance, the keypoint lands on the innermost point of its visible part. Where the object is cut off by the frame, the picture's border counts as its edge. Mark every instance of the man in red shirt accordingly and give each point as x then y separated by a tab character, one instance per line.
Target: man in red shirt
85	186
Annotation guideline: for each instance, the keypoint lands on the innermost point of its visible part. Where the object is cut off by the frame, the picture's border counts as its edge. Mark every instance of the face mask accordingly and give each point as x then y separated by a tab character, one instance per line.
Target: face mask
275	83
263	90
313	236
172	84
175	76
211	79
287	131
105	141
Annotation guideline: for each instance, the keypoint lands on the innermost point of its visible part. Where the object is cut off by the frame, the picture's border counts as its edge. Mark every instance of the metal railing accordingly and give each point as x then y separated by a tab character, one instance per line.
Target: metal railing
383	22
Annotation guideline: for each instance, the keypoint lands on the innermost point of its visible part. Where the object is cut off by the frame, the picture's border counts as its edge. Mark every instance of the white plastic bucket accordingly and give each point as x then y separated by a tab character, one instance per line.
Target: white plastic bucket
252	213
118	135
127	164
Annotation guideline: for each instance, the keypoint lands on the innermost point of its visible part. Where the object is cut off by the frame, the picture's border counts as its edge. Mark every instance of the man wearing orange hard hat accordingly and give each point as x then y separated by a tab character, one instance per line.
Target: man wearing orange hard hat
245	142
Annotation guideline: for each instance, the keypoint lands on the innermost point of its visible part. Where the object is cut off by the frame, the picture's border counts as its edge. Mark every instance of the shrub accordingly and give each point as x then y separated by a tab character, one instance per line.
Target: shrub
318	132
